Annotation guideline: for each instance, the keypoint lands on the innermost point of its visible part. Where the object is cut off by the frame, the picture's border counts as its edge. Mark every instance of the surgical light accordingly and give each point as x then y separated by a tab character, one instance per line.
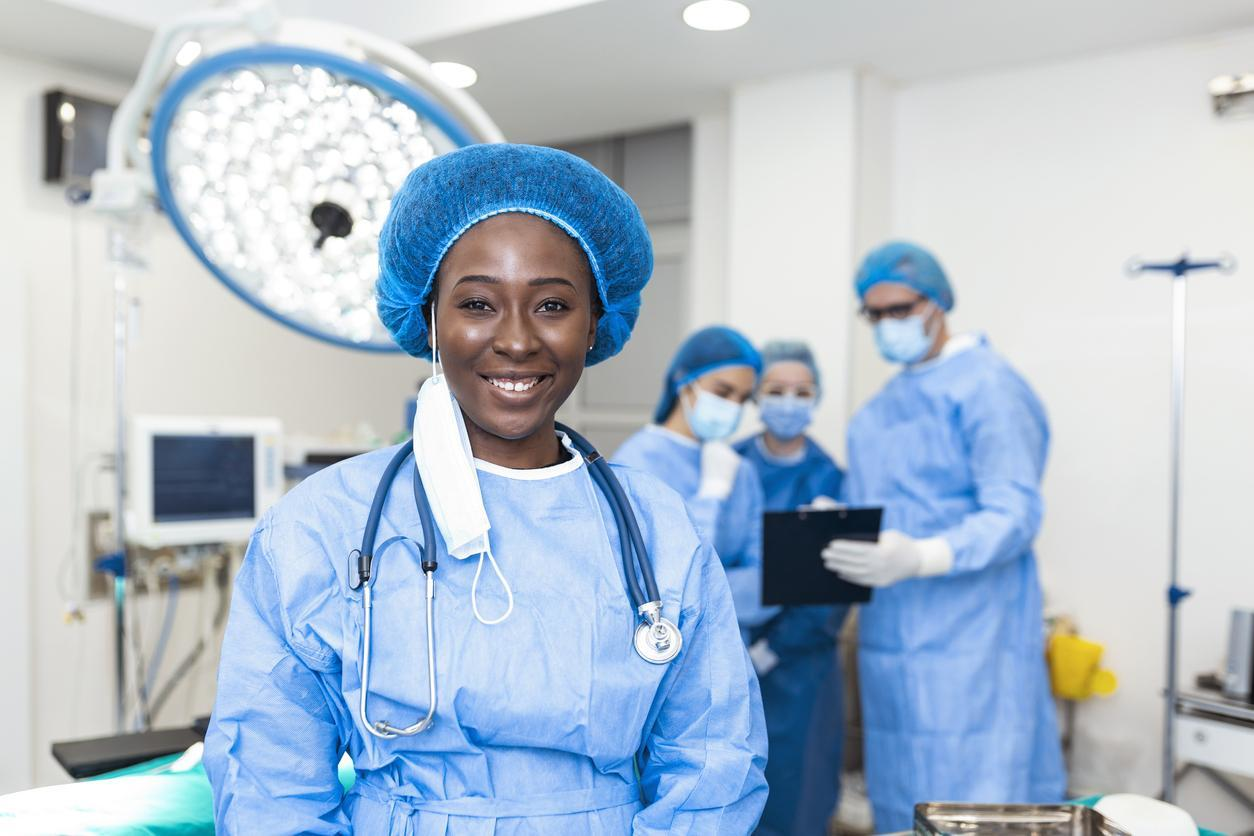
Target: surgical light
716	15
455	75
277	162
278	165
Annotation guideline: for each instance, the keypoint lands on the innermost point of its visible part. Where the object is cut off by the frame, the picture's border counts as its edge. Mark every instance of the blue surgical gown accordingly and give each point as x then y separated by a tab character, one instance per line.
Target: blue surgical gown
803	695
955	695
538	717
733	524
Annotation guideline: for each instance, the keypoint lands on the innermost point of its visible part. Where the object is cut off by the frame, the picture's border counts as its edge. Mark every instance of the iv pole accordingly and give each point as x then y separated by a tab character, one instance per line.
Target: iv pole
1179	271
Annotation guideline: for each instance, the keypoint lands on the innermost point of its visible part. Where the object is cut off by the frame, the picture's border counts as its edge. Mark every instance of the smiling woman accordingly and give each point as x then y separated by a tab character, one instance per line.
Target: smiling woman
515	324
512	267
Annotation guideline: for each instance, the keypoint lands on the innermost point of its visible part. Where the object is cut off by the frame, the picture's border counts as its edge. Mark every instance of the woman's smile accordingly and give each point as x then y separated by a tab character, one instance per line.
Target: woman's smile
516	386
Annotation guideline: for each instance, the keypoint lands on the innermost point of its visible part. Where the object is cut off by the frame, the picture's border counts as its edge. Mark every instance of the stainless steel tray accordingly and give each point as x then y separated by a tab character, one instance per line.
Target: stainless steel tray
948	819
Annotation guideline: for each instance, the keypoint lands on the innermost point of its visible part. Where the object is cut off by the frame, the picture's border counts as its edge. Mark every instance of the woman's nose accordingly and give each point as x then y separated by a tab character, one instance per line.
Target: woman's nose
516	337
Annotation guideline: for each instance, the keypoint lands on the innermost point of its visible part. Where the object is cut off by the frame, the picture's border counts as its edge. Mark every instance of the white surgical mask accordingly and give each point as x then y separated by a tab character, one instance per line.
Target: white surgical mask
447	466
711	418
904	341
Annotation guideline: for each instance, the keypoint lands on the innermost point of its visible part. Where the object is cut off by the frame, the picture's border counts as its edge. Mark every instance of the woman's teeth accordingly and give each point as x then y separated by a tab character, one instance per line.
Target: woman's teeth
514	385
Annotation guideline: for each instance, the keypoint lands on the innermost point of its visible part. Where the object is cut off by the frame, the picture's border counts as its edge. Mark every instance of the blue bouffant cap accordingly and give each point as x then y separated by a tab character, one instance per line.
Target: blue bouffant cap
901	262
443	198
796	351
705	351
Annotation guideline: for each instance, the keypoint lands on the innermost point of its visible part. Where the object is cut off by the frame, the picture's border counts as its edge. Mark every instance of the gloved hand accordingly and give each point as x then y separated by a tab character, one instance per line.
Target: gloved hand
894	558
719	465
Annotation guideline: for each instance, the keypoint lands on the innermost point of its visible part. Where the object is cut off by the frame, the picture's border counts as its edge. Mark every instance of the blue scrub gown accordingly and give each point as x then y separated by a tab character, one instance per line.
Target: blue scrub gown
955	695
538	717
733	525
803	695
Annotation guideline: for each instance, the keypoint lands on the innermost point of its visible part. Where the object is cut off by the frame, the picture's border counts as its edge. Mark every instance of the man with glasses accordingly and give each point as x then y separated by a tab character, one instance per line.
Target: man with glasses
955	694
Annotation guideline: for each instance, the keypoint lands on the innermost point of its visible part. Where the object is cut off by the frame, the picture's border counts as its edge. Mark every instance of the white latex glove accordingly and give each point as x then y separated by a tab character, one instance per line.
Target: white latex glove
719	465
894	558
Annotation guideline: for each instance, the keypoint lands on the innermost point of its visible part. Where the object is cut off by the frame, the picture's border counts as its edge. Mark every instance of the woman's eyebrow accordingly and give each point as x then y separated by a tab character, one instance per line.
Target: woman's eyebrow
479	279
540	282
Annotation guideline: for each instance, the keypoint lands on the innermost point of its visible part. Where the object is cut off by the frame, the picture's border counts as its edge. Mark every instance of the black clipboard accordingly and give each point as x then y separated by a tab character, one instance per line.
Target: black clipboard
792	561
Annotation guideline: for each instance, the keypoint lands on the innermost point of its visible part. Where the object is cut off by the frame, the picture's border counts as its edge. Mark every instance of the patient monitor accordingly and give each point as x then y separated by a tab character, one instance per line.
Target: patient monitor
201	480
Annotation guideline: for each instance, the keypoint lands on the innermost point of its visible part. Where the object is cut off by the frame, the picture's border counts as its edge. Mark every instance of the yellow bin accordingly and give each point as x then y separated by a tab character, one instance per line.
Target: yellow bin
1075	669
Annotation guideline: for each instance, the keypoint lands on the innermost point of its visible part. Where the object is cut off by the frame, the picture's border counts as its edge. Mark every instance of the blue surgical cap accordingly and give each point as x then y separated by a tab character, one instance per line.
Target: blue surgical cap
901	262
705	351
443	198
794	351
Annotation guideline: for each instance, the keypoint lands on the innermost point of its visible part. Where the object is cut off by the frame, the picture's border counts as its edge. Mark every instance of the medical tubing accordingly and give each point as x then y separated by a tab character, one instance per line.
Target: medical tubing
184	667
633	527
366	557
367	605
623	516
625	546
382	728
425	722
167	624
428	527
618	499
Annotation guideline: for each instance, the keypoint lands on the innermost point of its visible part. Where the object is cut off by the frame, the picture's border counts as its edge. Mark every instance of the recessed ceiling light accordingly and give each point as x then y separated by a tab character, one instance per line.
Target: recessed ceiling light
187	53
716	15
454	74
66	112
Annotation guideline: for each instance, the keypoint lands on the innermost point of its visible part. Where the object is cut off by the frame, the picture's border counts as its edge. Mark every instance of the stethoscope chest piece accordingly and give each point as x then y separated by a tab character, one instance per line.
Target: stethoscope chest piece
658	642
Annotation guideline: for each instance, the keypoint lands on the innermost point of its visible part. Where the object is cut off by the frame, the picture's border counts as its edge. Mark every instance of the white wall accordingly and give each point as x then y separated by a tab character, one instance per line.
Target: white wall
790	225
707	258
198	350
15	563
1034	186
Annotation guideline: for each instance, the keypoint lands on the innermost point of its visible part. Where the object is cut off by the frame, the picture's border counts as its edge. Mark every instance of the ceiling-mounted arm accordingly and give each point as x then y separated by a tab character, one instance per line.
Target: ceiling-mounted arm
125	184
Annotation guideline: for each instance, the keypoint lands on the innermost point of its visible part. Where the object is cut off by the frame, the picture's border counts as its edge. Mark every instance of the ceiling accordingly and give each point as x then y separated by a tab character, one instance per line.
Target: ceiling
564	69
621	64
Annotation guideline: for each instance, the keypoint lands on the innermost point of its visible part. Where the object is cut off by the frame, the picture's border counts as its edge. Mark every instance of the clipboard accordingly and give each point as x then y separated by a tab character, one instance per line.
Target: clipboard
792	563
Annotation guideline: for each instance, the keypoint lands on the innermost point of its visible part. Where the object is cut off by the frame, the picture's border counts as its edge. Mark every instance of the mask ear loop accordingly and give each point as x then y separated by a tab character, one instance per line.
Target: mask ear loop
933	331
474	586
437	369
683	402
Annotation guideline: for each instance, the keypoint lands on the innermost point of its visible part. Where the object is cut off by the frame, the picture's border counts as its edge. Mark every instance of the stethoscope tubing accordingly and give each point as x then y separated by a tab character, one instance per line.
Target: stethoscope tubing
634	554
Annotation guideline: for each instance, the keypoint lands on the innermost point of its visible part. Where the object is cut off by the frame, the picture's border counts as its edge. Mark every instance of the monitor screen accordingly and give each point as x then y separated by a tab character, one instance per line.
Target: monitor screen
76	136
203	477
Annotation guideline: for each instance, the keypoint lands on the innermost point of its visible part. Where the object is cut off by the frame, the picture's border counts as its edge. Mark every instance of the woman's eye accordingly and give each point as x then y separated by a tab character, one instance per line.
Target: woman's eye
475	305
553	306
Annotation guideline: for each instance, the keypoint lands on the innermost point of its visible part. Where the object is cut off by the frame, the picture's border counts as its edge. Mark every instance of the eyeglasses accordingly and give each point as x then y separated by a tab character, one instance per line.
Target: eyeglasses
901	311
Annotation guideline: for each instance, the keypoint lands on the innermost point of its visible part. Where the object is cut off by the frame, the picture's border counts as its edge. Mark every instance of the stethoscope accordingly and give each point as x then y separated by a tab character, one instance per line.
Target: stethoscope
656	639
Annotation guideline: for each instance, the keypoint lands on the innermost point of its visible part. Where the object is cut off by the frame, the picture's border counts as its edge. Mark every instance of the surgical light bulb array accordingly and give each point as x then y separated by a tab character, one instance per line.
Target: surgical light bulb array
285	173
